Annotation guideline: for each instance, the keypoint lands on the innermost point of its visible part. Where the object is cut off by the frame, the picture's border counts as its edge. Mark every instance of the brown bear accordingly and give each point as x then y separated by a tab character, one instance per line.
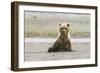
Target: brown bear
63	42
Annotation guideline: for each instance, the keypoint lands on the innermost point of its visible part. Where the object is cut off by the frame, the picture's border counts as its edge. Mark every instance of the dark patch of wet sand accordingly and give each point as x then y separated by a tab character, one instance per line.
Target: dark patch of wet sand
39	52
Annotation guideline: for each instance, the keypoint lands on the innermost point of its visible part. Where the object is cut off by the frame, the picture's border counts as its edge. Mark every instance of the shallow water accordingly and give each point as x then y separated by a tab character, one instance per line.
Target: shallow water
37	50
49	40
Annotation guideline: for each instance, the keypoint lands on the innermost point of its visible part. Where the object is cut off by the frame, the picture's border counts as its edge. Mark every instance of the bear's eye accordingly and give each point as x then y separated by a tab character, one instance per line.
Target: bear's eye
65	28
62	28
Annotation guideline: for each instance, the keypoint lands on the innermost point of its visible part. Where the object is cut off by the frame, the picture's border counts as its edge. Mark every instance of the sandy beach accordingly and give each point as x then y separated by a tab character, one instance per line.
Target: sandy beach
36	49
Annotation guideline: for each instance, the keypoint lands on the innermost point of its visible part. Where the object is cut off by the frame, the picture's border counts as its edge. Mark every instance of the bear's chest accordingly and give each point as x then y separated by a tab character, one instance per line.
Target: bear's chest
63	42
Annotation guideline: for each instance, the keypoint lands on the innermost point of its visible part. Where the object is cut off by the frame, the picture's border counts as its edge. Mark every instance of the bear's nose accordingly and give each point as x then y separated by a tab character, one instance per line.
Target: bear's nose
63	31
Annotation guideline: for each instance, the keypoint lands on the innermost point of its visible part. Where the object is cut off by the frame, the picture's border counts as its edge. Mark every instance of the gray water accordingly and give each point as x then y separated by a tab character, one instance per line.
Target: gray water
51	40
36	49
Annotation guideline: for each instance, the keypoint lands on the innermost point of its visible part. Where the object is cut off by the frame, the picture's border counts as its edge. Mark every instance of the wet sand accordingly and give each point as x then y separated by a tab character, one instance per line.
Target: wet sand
38	51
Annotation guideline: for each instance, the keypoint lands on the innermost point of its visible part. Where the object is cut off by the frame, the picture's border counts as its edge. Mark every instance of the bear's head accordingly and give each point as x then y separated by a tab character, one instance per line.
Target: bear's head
64	28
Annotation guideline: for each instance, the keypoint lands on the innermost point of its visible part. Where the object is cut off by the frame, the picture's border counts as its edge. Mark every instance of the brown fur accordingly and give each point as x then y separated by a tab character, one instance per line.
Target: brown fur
63	42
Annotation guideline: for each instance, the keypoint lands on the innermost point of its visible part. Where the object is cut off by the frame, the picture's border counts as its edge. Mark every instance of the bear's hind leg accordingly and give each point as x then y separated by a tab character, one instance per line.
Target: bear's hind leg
68	46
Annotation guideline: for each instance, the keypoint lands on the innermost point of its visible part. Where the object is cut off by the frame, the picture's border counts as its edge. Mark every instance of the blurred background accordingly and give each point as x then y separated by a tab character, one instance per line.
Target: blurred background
46	24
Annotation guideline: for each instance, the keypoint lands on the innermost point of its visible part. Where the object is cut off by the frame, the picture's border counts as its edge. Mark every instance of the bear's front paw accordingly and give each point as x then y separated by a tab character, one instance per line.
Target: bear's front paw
51	49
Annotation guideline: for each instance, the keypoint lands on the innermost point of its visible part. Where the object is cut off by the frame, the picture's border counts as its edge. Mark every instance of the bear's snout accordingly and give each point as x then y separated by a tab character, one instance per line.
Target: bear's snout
64	30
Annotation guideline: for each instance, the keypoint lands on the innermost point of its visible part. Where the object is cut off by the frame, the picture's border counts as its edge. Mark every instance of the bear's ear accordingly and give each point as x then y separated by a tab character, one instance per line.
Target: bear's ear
68	25
59	24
